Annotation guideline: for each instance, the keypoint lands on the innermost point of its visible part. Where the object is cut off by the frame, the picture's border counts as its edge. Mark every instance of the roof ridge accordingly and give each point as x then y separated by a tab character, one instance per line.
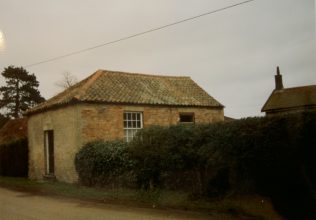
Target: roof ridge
298	87
142	74
90	81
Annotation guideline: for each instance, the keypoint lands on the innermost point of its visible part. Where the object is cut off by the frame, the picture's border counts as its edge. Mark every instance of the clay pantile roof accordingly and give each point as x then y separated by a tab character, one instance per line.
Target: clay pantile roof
295	97
12	130
130	88
227	119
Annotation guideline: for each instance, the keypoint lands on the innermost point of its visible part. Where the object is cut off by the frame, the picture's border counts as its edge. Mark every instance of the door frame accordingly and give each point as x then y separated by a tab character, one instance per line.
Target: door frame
49	152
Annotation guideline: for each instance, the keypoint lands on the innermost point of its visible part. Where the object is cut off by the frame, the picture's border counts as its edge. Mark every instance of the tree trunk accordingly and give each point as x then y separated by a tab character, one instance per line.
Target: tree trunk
17	100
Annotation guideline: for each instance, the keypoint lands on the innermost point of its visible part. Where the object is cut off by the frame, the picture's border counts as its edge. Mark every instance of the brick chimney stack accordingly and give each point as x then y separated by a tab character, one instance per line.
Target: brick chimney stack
278	80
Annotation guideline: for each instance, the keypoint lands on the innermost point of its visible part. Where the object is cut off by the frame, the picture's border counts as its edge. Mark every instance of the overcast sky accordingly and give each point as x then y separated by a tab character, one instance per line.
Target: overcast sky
232	54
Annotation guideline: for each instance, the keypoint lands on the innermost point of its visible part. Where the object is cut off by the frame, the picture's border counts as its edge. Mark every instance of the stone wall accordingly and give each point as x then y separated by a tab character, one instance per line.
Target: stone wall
65	125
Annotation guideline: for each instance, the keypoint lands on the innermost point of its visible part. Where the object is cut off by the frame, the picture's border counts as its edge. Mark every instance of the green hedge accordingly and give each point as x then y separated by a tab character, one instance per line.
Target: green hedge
102	163
252	154
14	158
273	156
243	155
167	157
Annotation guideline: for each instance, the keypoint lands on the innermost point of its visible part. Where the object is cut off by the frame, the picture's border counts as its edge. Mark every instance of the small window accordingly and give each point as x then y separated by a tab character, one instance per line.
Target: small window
133	122
186	118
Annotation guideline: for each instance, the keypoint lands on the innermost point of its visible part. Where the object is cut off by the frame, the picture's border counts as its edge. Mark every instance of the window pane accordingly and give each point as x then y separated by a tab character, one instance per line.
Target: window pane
125	133
125	116
138	124
134	116
186	118
125	124
130	134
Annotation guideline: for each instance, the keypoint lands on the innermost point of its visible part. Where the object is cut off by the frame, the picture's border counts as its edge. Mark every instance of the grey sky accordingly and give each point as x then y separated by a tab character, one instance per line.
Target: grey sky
231	54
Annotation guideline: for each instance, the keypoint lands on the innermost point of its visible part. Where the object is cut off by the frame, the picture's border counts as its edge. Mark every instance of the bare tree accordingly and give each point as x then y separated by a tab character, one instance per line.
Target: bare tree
67	81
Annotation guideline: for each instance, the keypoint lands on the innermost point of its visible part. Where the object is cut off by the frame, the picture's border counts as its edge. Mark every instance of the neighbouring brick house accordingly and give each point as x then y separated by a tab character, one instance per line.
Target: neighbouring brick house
109	105
12	130
13	148
289	100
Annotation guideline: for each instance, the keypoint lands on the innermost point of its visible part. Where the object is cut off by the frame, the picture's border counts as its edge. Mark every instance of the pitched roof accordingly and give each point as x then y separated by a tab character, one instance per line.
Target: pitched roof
295	97
129	88
227	119
13	129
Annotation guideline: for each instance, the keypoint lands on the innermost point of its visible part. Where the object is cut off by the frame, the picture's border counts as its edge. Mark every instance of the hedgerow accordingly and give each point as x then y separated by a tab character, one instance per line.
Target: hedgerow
272	156
103	163
14	158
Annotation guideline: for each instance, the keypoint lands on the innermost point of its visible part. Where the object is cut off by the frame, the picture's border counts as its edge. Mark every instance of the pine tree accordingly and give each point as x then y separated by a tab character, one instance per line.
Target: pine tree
3	120
20	93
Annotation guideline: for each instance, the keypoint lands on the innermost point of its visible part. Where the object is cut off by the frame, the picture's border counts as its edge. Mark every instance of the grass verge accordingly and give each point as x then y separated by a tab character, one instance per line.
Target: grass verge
241	207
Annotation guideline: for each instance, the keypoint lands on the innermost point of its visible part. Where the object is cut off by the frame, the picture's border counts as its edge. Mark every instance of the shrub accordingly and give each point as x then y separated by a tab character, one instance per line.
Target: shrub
159	150
14	158
148	151
253	153
273	156
102	163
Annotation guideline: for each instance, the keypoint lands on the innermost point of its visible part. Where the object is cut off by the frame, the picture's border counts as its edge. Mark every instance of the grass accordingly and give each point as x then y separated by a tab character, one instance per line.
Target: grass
242	207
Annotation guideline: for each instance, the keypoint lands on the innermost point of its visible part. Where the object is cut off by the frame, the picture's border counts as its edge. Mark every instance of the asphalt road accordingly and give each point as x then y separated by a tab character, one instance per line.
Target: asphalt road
16	205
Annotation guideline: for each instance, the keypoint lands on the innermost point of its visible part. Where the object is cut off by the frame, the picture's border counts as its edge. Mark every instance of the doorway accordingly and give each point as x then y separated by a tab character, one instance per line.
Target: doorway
49	152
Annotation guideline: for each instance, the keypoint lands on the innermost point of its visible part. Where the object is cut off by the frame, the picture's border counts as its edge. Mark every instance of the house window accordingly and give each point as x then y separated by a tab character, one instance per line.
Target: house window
133	122
186	117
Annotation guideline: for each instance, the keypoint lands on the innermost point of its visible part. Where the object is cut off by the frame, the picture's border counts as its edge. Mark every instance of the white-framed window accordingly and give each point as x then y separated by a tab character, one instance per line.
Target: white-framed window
133	122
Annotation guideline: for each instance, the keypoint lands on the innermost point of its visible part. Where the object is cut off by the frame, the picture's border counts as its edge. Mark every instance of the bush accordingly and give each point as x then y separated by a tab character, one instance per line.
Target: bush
14	158
160	152
253	153
102	163
273	156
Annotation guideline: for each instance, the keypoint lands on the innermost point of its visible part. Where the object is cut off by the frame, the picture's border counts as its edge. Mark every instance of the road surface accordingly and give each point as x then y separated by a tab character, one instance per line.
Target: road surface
16	205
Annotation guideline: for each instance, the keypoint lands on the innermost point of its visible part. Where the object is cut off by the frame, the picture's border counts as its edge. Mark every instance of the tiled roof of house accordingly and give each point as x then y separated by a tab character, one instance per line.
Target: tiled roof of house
228	119
291	98
12	130
129	88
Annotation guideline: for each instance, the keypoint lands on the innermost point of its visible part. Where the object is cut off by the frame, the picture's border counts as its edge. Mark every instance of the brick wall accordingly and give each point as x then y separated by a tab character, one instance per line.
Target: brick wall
77	124
106	121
